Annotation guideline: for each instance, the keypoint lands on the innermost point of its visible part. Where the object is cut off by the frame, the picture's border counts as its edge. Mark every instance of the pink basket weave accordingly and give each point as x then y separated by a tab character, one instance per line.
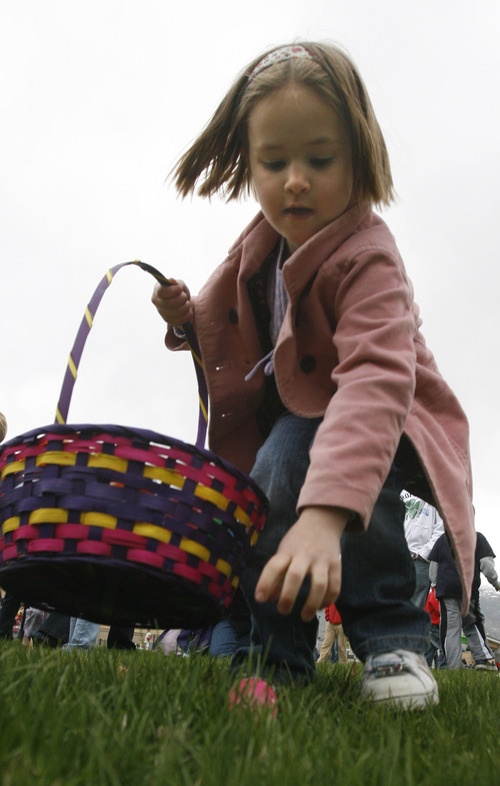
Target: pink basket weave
123	525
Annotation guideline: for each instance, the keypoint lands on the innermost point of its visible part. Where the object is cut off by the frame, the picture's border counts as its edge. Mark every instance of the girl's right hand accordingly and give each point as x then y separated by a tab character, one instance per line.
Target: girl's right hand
310	548
173	302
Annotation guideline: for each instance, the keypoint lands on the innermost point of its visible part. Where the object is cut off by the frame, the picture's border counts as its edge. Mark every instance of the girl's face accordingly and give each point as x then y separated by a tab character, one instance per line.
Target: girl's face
300	162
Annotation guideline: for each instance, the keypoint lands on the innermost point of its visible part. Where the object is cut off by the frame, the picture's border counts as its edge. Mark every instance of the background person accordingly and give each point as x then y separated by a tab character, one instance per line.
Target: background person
444	576
334	633
423	526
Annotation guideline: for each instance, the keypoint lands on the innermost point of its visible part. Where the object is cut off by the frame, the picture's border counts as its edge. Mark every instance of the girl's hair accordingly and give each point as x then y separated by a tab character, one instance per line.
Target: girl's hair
218	159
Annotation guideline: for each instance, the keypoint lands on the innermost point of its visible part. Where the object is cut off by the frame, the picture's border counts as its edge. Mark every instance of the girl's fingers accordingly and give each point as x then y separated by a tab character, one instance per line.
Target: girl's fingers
282	578
173	302
292	581
271	579
167	293
334	585
315	599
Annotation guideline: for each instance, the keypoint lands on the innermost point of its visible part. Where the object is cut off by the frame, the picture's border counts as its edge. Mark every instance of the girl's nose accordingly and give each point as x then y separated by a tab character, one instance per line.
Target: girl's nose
296	181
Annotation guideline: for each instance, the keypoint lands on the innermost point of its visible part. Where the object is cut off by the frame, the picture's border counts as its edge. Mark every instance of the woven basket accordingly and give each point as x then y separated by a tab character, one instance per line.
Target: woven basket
122	525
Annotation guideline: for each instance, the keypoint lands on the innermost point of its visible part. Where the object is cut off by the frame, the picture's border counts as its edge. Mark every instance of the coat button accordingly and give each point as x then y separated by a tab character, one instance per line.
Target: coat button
233	316
307	364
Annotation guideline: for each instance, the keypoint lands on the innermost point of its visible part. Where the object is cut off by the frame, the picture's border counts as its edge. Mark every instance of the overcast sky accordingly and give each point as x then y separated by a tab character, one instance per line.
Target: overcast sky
99	97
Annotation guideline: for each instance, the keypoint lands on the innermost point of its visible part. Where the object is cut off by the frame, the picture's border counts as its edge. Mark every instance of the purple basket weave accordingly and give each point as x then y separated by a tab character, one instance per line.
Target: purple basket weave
124	525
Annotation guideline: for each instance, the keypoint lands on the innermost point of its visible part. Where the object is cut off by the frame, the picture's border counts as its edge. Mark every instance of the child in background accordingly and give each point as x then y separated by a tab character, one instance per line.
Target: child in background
319	379
334	633
434	655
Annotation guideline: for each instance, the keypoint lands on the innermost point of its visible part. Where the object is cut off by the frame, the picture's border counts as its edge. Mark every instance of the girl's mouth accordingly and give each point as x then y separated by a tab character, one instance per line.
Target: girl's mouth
298	211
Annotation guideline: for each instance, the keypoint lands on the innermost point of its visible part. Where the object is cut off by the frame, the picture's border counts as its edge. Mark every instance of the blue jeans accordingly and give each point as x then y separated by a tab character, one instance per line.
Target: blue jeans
378	578
82	634
226	640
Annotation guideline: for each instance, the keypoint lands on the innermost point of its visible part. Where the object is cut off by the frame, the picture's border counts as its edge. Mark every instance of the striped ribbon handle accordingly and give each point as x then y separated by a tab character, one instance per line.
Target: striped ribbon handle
84	330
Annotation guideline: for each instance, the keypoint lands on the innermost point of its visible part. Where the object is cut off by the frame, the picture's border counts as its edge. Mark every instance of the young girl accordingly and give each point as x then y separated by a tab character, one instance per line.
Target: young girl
319	380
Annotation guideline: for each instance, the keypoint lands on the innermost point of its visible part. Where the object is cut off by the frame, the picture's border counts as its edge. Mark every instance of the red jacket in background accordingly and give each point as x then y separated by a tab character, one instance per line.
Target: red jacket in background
332	615
432	607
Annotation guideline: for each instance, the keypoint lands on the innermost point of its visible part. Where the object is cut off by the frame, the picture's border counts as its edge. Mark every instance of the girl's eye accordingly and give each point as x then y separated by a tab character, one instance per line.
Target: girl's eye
274	166
321	163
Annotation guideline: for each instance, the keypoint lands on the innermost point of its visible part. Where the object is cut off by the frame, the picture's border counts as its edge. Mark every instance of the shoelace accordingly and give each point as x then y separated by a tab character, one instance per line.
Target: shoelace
386	669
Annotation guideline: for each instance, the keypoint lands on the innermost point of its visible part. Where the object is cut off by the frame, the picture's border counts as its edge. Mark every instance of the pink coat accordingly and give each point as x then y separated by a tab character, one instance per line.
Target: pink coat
349	350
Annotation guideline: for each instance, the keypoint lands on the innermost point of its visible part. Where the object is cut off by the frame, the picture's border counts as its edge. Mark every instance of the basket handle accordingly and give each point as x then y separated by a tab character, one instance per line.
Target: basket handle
84	330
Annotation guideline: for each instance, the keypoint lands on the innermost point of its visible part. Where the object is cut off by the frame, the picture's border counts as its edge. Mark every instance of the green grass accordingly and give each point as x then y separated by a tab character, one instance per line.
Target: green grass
106	717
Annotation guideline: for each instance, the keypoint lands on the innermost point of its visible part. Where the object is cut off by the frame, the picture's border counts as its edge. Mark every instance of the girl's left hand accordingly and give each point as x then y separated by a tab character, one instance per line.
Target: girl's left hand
173	302
310	548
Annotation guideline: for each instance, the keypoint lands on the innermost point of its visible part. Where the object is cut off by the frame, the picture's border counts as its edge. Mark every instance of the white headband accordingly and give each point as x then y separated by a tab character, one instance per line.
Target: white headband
279	56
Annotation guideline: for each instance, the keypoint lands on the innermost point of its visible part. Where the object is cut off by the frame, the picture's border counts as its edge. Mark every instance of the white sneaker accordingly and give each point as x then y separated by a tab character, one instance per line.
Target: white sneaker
485	665
400	678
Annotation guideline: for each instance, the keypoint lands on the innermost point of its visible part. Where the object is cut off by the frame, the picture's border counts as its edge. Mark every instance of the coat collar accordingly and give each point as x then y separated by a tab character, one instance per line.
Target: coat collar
259	238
